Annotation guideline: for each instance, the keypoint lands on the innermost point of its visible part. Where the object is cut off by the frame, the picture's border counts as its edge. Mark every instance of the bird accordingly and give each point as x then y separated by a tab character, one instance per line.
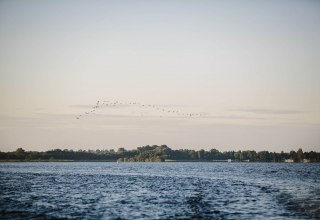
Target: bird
100	104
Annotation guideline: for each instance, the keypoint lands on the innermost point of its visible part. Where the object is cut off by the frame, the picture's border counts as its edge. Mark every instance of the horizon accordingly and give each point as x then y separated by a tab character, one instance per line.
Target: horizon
237	75
155	145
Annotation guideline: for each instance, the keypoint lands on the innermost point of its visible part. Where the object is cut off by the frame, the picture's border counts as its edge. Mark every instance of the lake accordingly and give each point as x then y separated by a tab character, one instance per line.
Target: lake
100	190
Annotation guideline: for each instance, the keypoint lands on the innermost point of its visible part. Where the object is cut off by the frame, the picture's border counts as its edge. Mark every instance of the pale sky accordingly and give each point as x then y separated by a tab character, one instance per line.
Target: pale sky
253	67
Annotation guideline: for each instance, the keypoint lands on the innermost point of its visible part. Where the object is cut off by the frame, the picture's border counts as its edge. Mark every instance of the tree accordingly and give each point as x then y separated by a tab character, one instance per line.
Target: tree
264	156
237	155
121	150
214	154
20	153
200	154
300	155
293	155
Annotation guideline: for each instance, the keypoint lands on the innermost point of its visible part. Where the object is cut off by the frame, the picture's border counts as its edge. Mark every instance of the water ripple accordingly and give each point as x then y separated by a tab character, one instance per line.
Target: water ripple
159	191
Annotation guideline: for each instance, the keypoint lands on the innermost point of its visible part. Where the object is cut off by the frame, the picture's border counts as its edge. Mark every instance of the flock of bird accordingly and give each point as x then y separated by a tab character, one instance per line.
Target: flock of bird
160	109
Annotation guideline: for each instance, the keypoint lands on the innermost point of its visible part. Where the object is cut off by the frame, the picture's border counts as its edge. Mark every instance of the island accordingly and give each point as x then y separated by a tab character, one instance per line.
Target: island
159	153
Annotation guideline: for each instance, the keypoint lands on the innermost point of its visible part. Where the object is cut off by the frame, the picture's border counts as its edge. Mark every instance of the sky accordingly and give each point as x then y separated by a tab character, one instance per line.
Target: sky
252	68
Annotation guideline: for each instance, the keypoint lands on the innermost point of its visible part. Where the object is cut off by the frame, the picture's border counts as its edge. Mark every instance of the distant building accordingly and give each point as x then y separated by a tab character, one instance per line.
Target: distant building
306	161
288	161
229	160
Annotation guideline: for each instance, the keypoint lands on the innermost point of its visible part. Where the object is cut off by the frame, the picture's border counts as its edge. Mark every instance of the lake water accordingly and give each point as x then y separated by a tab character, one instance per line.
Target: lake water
98	190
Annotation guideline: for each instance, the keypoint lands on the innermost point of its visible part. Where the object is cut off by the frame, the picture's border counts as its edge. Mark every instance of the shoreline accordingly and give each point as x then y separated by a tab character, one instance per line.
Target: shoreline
114	161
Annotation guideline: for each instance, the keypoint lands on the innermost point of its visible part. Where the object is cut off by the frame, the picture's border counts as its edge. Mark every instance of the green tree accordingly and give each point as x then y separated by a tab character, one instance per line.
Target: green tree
20	153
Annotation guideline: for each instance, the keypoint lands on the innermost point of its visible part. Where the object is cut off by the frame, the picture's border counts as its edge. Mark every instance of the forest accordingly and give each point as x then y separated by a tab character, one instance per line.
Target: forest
162	153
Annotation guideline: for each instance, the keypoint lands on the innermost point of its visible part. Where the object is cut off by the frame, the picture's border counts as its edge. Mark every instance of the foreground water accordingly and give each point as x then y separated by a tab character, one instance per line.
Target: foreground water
79	190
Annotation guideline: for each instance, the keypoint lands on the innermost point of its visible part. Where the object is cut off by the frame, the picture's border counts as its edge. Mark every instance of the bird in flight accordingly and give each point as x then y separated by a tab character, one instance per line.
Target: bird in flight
165	110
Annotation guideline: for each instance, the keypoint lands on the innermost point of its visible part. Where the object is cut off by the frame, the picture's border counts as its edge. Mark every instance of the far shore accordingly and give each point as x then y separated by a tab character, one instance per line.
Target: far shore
114	161
159	153
22	161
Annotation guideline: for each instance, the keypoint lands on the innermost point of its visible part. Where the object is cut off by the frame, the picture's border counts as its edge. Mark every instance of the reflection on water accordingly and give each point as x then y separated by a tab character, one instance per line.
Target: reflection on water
159	190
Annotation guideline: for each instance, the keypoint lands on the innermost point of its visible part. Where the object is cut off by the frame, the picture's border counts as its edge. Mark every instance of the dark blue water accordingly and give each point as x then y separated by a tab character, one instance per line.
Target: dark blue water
159	191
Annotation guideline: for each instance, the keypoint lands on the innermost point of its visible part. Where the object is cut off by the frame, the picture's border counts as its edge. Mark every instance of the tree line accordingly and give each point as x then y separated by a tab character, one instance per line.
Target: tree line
156	153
